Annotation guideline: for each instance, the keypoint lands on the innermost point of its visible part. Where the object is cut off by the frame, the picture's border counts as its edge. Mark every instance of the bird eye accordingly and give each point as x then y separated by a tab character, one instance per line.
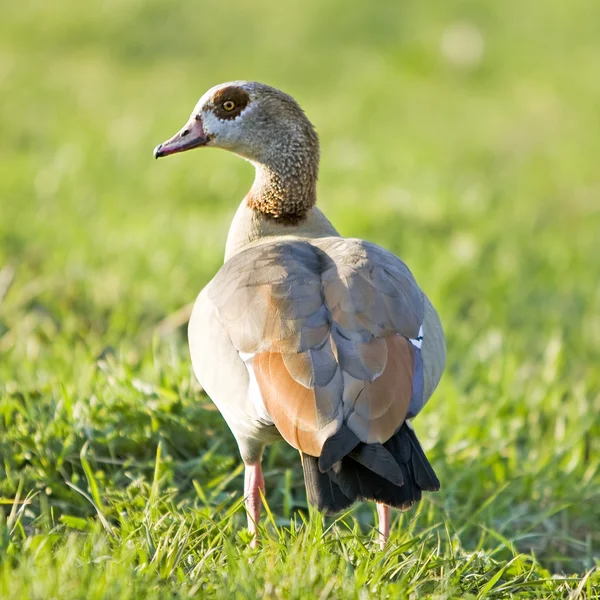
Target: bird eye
229	105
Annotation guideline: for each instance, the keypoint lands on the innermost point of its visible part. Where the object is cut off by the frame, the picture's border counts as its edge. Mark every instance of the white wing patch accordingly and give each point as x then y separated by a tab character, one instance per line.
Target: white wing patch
254	394
418	341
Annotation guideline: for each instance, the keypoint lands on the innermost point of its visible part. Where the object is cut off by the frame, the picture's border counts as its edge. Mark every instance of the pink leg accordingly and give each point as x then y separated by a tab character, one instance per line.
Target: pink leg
383	514
253	484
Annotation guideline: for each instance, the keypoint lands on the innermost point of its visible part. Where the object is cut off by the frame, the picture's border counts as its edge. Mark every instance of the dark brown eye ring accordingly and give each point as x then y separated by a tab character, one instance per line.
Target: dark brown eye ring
228	105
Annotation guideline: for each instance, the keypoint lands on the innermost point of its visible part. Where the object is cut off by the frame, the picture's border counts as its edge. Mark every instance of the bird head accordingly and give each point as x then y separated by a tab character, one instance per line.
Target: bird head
251	119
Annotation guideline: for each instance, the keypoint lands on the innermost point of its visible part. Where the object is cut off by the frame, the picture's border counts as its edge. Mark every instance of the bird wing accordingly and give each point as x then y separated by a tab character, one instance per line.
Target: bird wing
332	333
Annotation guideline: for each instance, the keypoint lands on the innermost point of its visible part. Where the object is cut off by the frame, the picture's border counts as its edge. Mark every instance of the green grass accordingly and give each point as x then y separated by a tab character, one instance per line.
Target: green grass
118	479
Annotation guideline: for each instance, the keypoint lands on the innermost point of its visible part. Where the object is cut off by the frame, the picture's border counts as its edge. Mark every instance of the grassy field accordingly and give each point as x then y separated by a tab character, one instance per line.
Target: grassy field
462	136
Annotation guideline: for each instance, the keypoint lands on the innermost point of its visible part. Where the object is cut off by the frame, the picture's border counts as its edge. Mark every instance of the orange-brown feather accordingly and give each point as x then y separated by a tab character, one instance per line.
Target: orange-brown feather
291	406
385	401
379	408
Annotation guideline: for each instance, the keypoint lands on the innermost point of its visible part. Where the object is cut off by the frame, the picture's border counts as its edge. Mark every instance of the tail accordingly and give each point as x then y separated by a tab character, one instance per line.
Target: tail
395	473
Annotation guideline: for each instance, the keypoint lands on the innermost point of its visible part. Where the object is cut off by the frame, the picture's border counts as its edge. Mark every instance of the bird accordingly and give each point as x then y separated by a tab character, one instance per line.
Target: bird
303	334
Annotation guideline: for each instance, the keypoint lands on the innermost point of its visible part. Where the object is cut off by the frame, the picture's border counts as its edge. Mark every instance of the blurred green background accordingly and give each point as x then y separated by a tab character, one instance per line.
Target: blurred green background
463	136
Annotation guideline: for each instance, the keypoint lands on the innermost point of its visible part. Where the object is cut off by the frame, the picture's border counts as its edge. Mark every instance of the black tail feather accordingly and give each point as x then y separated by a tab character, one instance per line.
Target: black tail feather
336	447
424	474
321	490
378	459
394	473
357	481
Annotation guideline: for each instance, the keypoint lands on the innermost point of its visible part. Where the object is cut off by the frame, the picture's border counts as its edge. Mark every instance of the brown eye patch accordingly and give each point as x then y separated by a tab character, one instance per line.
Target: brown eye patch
229	102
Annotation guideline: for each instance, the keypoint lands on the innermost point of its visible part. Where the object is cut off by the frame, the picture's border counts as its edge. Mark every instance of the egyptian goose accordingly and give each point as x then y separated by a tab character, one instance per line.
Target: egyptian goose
324	341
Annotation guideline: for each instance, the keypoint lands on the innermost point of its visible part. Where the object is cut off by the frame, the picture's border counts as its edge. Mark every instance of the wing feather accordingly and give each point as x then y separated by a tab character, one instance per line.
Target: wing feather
327	322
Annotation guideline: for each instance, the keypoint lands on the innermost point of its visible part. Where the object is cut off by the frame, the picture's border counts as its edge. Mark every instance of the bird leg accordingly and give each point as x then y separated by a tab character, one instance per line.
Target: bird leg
383	514
253	484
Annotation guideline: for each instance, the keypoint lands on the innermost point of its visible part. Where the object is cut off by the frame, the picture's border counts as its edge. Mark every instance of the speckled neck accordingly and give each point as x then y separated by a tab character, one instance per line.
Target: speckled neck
285	186
280	196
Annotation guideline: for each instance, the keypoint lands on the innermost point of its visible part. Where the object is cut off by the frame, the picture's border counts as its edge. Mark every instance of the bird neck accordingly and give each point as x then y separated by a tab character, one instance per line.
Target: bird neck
250	227
285	186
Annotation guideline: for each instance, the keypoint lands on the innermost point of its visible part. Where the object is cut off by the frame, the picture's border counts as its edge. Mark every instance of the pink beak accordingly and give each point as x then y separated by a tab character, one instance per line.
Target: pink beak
191	136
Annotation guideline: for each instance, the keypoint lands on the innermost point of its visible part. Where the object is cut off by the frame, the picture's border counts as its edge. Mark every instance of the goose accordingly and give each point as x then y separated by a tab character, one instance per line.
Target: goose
305	335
